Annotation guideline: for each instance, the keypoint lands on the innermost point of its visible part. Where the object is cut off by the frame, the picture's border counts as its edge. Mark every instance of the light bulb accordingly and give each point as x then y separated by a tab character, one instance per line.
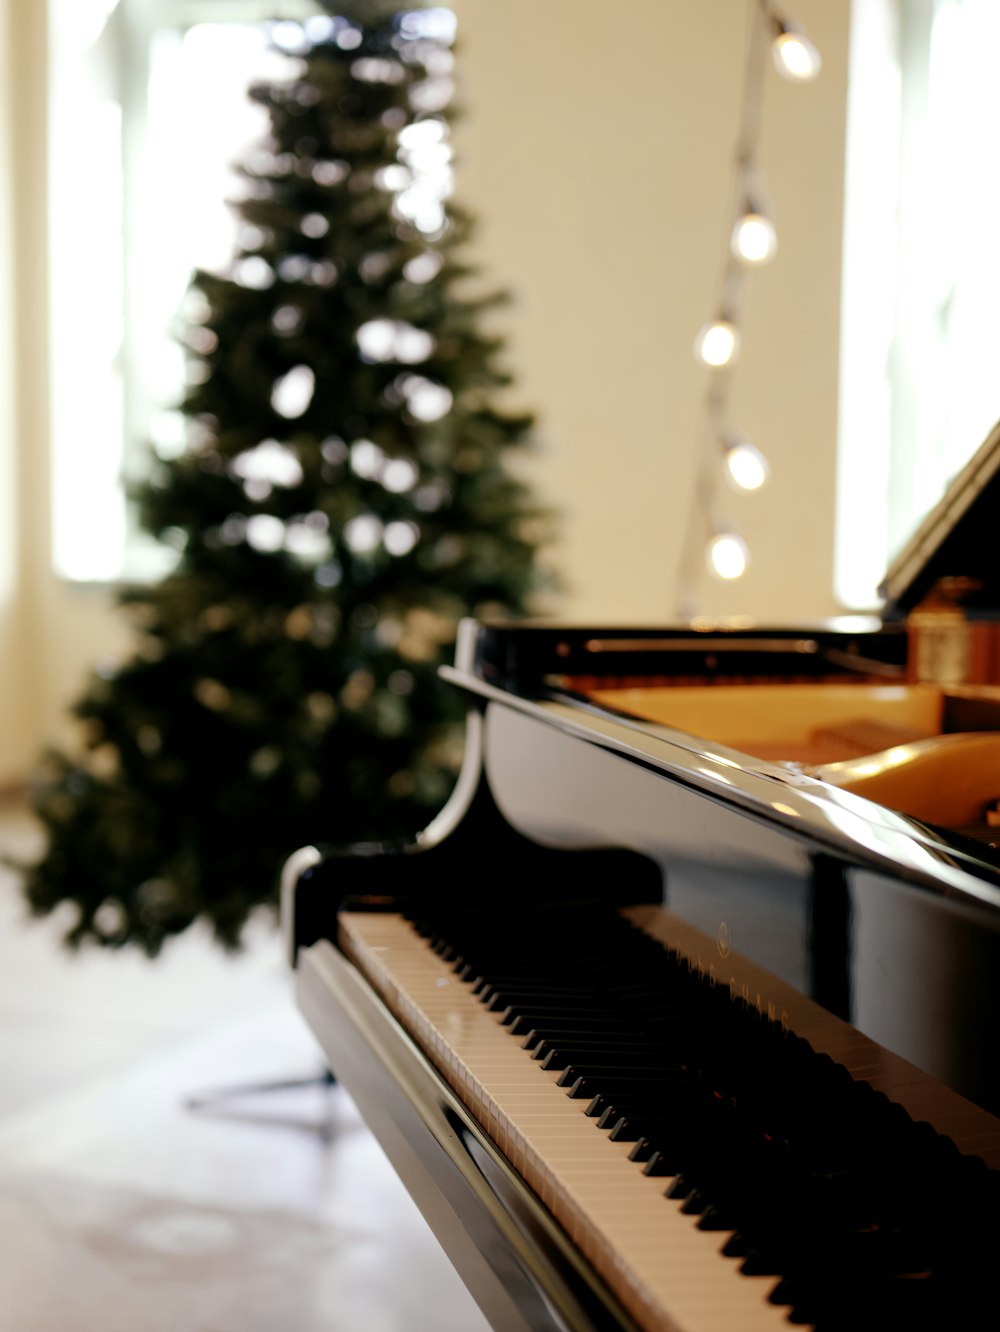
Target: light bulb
718	343
754	239
746	466
728	556
795	57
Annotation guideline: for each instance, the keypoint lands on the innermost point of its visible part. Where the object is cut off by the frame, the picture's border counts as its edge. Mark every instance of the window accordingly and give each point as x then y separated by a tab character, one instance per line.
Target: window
149	112
920	339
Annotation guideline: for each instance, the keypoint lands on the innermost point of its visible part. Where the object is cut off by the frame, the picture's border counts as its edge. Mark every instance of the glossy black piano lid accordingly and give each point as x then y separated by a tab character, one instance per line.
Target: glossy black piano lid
957	539
519	657
890	925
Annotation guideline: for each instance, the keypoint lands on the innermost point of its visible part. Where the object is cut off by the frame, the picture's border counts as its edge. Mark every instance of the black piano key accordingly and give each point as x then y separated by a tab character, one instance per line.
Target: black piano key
499	995
567	1023
625	1073
657	1165
537	1014
682	1187
695	1203
618	1125
624	1130
736	1246
556	1054
558	1030
716	1218
759	1262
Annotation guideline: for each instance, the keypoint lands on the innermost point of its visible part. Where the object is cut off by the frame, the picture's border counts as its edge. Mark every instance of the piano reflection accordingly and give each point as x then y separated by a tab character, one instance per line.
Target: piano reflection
683	1013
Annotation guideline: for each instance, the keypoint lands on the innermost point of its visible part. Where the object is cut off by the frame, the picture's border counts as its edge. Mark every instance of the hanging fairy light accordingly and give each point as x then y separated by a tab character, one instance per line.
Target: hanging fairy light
727	556
746	467
794	56
752	242
717	343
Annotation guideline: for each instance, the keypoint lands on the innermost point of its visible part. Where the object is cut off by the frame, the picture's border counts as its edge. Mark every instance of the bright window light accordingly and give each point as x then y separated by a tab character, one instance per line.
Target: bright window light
149	113
87	293
920	342
131	217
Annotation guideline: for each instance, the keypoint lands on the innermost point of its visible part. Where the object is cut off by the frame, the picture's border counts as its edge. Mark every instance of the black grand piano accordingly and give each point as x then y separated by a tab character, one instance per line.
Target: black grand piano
683	1013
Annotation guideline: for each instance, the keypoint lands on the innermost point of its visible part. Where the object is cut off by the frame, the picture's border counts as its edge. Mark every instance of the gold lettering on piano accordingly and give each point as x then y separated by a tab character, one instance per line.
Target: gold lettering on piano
741	990
723	942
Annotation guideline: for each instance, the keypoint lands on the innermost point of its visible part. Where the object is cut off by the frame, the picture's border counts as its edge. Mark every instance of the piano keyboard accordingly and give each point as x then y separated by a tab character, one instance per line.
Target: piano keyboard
634	1164
665	1271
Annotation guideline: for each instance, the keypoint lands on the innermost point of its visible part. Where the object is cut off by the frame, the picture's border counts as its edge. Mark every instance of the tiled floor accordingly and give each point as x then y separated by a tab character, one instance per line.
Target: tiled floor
121	1210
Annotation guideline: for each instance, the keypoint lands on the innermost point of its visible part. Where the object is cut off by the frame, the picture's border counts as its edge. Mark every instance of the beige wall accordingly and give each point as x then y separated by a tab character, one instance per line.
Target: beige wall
50	633
15	705
596	150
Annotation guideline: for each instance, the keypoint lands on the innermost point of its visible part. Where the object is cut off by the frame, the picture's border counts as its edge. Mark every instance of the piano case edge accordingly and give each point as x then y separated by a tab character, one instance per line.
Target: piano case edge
517	1263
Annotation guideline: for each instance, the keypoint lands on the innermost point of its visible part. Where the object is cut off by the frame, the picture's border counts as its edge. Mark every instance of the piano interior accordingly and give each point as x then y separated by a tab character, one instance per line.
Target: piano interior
929	751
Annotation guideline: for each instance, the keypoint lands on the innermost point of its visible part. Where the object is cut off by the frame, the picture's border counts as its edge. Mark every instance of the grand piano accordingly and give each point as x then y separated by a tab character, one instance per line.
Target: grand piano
683	1014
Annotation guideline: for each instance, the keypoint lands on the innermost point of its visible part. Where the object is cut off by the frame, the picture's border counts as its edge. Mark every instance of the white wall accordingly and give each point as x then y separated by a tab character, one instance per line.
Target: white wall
596	150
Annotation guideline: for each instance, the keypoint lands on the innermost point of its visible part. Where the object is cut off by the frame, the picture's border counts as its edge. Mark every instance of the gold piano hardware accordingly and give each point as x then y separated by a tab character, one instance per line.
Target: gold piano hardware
947	646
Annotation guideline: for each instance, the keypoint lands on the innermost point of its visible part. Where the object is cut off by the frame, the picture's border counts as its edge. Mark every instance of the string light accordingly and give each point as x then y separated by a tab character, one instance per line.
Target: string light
746	466
795	57
752	242
728	556
718	343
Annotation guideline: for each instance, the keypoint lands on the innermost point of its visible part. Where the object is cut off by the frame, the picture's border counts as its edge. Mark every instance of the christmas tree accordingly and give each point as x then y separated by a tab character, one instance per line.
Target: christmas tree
341	502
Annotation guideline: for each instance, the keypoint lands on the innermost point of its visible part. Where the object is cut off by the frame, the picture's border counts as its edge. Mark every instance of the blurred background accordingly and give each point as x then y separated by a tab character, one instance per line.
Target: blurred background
596	150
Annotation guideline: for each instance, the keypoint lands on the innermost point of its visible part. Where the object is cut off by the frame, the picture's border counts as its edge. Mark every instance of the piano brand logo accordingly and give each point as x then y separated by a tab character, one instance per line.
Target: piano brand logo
722	939
764	1008
738	990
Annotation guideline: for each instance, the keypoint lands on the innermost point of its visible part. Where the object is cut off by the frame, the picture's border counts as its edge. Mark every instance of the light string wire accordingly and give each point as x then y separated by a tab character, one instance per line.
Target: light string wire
746	190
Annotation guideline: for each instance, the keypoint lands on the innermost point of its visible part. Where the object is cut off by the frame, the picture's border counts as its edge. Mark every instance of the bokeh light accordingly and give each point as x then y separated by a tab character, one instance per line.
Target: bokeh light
717	343
728	556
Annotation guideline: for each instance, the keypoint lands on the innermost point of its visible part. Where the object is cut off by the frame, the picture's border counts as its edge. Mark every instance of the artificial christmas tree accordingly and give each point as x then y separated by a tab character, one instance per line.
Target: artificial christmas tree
342	501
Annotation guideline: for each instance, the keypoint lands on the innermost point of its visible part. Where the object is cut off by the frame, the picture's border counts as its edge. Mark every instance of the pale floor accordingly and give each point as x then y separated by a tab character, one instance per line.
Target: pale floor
123	1211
